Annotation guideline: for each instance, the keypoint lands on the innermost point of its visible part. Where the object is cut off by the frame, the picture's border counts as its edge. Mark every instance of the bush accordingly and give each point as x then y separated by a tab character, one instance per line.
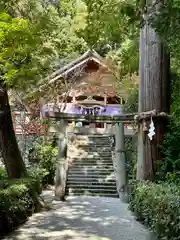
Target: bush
171	148
17	202
157	206
48	160
170	166
45	159
39	174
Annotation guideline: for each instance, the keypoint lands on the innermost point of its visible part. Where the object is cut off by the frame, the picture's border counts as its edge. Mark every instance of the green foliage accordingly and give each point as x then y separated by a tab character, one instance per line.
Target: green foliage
131	104
171	163
39	174
131	156
34	38
3	173
45	157
126	57
48	160
108	22
170	166
158	206
167	23
17	202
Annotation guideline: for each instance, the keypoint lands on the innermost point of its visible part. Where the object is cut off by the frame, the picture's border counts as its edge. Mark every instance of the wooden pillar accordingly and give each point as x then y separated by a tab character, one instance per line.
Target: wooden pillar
121	179
154	93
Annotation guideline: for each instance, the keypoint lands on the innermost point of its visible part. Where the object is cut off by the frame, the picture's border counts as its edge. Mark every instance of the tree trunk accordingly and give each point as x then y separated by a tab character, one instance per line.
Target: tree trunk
154	93
8	144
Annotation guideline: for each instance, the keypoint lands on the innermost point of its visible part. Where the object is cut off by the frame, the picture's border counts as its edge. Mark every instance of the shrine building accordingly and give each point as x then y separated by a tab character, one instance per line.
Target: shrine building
91	89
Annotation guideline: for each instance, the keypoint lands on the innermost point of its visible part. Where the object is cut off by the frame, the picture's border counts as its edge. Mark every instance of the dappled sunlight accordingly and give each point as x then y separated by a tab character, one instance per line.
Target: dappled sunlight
83	218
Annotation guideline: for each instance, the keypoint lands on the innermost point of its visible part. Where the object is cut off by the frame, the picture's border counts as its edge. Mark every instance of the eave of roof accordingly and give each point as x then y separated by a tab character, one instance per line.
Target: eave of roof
90	54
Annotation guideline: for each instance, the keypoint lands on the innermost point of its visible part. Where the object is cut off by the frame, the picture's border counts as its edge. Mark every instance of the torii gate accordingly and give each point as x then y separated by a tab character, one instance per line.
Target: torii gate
139	118
62	167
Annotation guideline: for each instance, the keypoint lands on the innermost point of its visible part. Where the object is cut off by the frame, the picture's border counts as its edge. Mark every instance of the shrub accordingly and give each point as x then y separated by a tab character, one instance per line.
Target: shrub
17	202
45	158
39	174
48	160
170	166
157	206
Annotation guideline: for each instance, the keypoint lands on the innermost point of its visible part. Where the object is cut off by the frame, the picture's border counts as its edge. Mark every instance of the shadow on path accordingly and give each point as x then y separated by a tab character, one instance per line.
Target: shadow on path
82	218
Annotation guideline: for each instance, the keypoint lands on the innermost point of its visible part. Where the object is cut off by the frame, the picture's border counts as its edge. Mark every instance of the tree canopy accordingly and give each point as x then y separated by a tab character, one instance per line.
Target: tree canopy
35	38
38	36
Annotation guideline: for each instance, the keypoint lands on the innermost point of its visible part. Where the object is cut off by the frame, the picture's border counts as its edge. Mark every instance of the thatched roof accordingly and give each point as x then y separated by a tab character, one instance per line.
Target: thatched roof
51	81
90	55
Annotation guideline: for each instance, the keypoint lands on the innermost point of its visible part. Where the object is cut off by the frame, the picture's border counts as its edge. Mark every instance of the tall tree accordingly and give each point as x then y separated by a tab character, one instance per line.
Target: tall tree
10	39
33	37
154	93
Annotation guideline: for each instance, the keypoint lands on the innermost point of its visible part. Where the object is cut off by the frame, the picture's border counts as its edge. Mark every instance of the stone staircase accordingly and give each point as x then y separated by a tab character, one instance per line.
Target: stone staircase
91	170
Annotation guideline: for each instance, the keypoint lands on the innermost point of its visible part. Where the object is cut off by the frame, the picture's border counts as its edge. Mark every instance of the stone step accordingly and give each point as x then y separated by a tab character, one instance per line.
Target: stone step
92	192
91	141
92	189
93	146
91	158
90	177
89	174
101	178
89	153
92	185
110	195
93	136
90	171
91	164
91	167
75	156
91	181
98	144
92	154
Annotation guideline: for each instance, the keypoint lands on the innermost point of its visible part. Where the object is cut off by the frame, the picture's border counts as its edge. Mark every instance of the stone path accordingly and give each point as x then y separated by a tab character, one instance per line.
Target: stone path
83	218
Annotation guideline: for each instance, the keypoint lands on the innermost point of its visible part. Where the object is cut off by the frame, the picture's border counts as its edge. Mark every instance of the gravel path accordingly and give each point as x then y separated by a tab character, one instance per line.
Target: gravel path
83	218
